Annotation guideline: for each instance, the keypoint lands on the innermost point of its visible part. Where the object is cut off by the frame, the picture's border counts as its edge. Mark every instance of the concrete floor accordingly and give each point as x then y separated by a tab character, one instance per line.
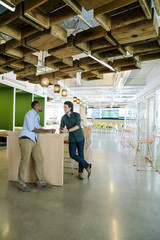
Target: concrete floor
116	203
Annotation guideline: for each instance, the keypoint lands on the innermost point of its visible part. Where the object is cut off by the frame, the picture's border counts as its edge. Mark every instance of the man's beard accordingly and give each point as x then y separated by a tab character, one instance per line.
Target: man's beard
40	111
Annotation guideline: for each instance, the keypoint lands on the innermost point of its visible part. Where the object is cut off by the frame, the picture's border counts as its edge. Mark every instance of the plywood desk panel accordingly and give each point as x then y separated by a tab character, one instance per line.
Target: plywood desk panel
52	149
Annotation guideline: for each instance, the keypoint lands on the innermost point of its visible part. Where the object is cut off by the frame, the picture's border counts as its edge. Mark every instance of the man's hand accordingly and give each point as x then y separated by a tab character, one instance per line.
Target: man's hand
51	130
63	130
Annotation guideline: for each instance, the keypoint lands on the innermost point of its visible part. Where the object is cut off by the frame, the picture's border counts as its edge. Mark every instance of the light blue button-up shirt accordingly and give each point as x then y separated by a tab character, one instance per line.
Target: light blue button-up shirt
31	121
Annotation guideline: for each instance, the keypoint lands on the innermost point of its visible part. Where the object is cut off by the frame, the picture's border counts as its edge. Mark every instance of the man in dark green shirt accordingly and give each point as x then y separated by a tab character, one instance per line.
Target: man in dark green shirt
72	121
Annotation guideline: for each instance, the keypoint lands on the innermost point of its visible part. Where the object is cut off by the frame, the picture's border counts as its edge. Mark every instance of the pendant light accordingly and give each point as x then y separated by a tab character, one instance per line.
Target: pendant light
45	82
57	88
64	92
81	103
78	101
74	99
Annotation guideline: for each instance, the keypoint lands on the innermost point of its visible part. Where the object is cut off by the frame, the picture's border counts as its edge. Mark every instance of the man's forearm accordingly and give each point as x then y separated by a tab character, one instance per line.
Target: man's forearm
73	128
40	130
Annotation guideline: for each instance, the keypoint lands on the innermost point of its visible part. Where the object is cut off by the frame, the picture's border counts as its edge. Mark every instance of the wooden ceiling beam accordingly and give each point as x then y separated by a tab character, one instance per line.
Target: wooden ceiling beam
122	50
29	4
157	6
110	39
27	51
100	72
104	20
98	44
5	70
74	5
135	32
18	1
17	65
47	75
56	63
106	49
84	46
93	78
142	48
39	17
86	61
132	67
60	74
71	69
12	31
50	38
147	8
2	60
128	17
92	4
28	30
50	60
123	62
59	65
68	61
15	53
8	17
101	56
88	74
95	66
12	44
149	57
111	6
27	71
90	34
30	58
10	3
66	50
61	15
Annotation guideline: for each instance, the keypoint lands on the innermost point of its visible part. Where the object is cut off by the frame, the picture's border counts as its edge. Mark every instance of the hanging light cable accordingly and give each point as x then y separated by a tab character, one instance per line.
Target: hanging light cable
75	98
64	92
45	81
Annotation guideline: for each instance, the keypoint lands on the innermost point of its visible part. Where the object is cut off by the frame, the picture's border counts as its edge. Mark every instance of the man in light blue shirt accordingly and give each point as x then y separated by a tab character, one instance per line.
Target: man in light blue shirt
31	121
29	146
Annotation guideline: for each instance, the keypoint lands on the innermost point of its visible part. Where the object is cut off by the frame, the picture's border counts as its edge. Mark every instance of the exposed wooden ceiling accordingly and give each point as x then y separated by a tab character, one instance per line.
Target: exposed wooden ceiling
128	34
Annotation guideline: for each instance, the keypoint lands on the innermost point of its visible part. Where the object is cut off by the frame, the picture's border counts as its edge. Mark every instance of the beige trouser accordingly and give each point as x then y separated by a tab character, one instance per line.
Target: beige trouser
28	148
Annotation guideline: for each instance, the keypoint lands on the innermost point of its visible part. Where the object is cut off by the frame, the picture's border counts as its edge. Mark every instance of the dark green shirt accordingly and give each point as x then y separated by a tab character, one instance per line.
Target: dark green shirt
69	122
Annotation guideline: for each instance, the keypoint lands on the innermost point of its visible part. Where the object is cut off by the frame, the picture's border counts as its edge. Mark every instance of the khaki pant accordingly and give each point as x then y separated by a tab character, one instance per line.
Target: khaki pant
28	148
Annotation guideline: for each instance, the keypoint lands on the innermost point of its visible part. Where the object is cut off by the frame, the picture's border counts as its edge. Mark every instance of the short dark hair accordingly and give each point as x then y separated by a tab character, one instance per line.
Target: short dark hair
70	105
34	103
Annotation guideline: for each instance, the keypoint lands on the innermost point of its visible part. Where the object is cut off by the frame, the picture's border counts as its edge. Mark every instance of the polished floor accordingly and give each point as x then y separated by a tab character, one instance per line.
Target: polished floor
116	203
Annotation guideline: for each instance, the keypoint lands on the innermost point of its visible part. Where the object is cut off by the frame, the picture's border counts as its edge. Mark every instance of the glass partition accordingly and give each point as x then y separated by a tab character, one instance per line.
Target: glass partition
142	124
157	125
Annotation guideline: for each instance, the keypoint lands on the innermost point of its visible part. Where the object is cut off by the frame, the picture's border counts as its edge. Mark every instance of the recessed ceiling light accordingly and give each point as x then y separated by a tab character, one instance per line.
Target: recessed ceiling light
134	35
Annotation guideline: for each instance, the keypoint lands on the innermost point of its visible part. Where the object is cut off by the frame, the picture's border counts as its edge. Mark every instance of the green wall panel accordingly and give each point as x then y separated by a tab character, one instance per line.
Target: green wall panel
6	107
41	114
23	105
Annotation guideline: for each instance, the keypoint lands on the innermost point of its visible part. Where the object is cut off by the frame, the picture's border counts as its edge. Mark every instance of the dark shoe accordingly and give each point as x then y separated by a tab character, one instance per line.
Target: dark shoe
24	188
44	185
89	170
80	176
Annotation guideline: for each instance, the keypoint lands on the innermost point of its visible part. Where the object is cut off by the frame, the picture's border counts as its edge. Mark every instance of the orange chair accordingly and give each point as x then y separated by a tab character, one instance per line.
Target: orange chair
126	137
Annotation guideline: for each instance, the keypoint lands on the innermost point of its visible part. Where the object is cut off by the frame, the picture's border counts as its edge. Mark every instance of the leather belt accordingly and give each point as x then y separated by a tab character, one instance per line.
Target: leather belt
24	137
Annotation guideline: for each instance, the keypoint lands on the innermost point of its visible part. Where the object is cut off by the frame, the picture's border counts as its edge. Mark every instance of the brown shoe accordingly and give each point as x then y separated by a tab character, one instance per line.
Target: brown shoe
80	176
89	170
